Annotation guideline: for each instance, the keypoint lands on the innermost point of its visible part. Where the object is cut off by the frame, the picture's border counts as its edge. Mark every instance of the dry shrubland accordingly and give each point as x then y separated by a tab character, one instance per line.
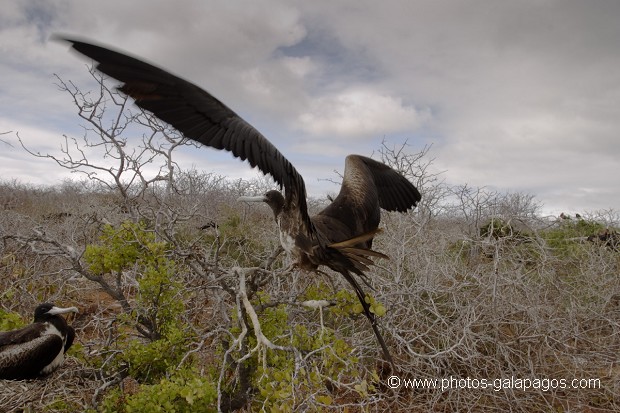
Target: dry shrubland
186	300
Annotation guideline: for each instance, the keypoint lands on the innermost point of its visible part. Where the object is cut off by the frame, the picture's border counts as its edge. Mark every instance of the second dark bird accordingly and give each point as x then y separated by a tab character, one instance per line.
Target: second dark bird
39	348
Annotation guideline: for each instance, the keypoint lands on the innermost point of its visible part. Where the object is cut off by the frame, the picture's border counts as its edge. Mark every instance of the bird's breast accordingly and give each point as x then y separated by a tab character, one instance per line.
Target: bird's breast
293	240
288	243
57	362
287	240
52	329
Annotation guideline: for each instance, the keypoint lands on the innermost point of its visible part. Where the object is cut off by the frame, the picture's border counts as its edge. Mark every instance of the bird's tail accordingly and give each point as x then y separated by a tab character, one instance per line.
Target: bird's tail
359	258
351	258
361	296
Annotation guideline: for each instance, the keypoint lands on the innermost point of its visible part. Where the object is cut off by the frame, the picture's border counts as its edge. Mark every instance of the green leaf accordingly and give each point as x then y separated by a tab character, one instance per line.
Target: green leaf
379	310
327	400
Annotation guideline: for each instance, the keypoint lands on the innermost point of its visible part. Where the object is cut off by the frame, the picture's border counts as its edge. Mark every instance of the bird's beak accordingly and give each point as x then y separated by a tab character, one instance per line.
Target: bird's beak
59	310
259	198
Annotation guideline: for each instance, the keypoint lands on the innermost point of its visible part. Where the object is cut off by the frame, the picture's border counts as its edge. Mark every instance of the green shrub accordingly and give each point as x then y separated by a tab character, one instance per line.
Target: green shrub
563	239
158	304
329	369
10	321
183	392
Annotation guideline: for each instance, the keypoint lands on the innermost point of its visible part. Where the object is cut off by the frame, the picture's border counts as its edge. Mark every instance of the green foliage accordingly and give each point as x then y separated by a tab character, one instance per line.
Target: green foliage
159	299
284	385
148	362
183	392
561	239
119	248
158	302
10	321
346	302
376	307
281	381
60	405
275	375
573	228
158	306
131	247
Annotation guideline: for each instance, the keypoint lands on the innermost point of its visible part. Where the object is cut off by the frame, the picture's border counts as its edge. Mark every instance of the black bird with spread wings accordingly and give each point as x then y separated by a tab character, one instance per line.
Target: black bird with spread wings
38	348
340	236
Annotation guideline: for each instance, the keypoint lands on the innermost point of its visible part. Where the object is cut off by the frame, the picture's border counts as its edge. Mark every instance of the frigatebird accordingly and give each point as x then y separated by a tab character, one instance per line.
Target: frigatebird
39	348
339	237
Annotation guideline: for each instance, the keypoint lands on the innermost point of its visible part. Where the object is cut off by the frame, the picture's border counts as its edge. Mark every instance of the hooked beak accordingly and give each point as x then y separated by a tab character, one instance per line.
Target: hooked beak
59	310
259	198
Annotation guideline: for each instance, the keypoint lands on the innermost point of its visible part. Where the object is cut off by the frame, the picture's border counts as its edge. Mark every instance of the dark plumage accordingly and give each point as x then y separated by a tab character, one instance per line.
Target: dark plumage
608	238
340	236
38	348
209	224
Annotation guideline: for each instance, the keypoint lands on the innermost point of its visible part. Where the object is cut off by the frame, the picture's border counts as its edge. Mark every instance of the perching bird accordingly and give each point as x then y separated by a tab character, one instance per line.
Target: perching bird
339	237
38	348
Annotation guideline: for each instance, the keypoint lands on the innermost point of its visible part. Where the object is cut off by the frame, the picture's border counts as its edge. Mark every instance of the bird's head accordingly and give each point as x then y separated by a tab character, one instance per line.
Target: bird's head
46	311
272	198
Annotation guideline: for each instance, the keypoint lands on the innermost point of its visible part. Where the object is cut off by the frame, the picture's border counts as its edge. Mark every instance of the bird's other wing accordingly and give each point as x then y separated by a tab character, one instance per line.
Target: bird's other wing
21	335
395	192
367	186
27	359
70	338
197	115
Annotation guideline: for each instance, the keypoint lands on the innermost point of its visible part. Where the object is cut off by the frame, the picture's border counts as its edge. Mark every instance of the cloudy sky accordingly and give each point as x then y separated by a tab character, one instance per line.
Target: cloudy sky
518	96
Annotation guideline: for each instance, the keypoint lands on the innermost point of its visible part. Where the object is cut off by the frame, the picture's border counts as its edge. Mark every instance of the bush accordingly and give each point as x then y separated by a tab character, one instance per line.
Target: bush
183	392
10	321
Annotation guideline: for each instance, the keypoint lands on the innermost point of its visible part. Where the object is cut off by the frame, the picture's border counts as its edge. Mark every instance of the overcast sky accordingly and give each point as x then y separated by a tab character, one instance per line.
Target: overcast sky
515	96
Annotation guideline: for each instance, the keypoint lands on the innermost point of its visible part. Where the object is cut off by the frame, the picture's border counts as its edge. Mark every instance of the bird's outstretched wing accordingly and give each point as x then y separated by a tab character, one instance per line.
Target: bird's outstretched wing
197	115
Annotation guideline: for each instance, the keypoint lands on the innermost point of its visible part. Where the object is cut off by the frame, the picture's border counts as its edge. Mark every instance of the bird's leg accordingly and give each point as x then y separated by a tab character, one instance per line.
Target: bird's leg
291	267
327	276
269	261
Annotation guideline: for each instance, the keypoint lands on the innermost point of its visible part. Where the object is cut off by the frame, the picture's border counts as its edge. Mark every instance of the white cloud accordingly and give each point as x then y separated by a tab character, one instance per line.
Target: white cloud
359	114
